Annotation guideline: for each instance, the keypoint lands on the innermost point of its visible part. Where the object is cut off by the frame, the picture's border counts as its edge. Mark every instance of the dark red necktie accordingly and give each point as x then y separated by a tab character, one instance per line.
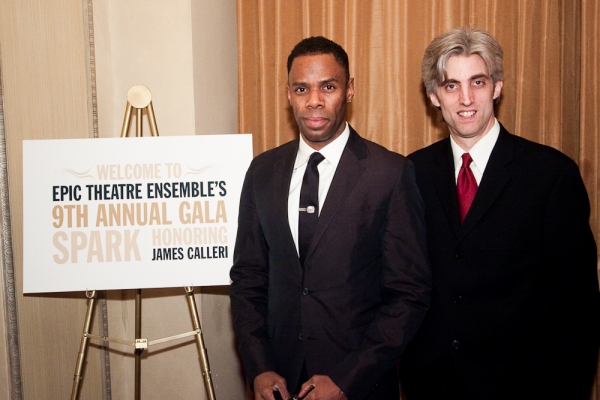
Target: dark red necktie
466	186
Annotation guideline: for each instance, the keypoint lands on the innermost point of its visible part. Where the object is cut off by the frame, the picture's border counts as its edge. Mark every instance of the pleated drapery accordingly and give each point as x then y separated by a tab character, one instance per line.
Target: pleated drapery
551	90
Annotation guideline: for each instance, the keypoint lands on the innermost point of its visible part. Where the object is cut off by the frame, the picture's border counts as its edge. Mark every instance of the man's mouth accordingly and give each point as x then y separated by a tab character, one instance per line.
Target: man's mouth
315	122
466	114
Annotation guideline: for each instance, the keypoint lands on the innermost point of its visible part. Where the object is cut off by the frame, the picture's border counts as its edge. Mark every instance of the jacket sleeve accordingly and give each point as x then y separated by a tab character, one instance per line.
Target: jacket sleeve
406	290
249	287
570	252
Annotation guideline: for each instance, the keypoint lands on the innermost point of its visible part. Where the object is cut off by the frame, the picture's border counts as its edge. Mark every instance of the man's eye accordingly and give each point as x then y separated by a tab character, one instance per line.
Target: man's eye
300	90
451	86
329	87
478	83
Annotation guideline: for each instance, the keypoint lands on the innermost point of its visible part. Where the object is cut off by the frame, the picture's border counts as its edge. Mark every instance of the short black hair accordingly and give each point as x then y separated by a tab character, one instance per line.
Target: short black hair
316	45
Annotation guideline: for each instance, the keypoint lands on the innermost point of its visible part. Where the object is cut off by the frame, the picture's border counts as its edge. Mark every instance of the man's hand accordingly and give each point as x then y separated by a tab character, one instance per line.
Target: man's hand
321	387
268	382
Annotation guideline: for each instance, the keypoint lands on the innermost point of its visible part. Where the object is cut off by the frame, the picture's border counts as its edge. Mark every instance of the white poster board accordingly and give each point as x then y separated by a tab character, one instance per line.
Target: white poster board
130	213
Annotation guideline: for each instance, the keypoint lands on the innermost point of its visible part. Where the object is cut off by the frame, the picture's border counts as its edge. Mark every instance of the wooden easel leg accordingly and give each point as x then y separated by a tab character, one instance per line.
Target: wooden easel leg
138	122
205	367
152	120
138	335
83	345
126	120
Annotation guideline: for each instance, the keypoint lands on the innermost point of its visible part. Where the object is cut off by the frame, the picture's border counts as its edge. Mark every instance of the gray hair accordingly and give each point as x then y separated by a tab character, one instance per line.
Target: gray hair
460	42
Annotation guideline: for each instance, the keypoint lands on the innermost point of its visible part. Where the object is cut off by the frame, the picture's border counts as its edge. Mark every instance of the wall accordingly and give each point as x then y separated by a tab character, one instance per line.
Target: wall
66	66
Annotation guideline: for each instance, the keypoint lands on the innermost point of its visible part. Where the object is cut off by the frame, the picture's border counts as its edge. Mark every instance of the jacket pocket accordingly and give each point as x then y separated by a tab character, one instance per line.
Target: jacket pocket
356	335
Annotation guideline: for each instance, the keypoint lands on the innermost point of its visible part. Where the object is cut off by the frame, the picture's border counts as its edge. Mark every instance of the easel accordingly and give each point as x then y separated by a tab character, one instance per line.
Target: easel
139	97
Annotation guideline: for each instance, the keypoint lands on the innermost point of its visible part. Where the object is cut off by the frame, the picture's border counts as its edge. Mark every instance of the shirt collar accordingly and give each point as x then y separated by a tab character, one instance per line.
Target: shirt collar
332	151
481	151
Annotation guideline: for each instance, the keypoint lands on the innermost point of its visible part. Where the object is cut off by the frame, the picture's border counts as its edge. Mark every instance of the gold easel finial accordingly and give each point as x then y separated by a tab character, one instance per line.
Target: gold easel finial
139	97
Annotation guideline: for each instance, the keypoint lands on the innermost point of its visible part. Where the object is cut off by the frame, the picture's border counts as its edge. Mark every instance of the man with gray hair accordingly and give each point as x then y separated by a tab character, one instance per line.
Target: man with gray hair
515	304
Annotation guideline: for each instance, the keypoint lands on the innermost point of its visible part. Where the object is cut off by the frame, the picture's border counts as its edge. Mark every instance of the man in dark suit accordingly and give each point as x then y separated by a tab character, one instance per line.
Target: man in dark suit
515	305
327	316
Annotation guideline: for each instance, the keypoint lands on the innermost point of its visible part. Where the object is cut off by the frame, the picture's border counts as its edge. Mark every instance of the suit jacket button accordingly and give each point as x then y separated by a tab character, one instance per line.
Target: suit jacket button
300	336
455	344
457	300
305	291
459	255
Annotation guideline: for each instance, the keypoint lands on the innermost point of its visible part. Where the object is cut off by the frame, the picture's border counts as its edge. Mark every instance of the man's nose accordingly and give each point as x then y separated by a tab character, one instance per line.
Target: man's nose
466	96
315	99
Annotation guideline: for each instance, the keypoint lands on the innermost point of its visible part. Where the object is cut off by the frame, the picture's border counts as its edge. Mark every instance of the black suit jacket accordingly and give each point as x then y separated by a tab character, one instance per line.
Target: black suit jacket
365	285
515	304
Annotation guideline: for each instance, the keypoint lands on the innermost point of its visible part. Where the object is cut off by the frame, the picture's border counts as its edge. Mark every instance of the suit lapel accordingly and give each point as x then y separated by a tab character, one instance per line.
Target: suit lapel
444	181
493	181
282	175
346	175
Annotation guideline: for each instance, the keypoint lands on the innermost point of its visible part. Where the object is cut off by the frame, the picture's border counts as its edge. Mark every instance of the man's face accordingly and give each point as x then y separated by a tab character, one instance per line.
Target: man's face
466	98
319	91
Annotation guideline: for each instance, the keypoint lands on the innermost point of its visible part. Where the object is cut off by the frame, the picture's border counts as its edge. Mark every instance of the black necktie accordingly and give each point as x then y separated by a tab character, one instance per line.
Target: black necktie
309	205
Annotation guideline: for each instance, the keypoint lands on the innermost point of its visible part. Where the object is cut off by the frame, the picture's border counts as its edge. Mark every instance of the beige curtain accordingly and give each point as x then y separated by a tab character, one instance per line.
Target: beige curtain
588	101
551	92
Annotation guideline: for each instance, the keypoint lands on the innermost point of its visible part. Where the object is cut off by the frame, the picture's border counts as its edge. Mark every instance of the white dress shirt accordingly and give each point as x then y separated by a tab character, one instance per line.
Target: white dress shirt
332	153
480	153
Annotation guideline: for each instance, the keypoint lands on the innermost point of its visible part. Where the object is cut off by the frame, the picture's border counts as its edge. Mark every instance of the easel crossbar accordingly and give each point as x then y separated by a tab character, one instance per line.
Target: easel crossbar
137	344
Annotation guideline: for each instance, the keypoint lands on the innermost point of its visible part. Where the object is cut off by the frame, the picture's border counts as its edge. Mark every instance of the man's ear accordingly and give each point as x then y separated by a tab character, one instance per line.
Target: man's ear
289	95
350	90
498	89
434	99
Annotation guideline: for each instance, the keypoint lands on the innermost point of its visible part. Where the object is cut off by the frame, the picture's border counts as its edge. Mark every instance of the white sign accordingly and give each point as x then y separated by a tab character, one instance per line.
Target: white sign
129	213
